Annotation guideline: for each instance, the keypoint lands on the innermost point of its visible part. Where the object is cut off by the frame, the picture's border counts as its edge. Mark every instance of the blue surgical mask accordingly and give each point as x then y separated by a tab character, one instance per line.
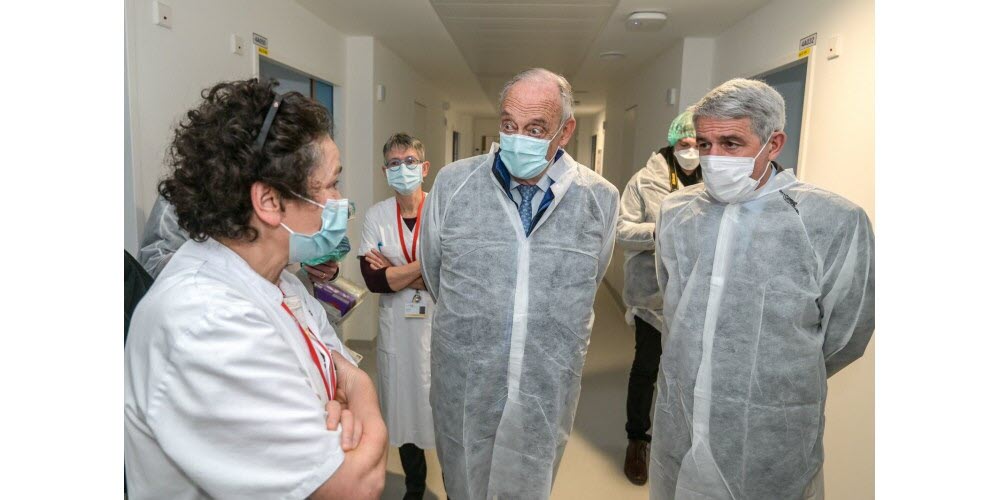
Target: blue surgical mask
325	242
524	156
405	179
343	248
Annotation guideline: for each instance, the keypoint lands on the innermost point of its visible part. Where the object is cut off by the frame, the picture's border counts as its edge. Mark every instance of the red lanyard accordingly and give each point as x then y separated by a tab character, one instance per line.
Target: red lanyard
331	384
416	230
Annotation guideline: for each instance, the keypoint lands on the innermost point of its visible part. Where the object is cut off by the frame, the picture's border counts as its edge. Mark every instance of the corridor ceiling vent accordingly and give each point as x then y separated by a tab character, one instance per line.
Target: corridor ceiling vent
645	21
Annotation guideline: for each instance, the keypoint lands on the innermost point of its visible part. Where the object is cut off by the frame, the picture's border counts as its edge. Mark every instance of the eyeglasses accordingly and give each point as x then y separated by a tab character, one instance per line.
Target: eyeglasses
352	210
410	162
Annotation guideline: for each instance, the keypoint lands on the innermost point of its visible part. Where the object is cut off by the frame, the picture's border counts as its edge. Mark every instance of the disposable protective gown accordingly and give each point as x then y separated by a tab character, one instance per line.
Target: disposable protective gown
763	301
640	206
513	321
161	237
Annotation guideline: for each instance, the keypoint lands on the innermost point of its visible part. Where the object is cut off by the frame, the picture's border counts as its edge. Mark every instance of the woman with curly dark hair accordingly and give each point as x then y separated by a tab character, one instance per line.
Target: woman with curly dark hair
236	384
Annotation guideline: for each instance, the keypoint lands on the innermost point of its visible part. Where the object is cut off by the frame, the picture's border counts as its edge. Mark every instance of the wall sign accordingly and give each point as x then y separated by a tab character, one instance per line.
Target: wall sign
260	40
804	43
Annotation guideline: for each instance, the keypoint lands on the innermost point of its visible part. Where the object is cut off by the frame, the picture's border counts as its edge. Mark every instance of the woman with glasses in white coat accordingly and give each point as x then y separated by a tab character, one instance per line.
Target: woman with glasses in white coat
388	255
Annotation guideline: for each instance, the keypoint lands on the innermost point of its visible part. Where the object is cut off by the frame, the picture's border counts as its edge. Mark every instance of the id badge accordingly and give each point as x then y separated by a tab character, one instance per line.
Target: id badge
416	308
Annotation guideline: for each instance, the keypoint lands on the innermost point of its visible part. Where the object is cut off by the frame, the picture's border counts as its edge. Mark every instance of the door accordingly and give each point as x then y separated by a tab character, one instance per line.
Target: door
593	151
790	82
420	124
292	80
288	79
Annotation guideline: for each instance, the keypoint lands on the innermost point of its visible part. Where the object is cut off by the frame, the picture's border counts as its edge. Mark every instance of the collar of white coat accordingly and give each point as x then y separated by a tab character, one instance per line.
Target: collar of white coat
560	172
231	261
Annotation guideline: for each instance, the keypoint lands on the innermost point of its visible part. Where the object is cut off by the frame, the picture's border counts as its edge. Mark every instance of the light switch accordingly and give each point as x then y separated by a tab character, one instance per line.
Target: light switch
236	44
163	15
833	47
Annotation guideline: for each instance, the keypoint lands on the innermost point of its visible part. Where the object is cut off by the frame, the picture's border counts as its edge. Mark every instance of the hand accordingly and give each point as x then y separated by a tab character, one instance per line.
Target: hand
377	260
418	284
362	474
336	414
322	273
355	405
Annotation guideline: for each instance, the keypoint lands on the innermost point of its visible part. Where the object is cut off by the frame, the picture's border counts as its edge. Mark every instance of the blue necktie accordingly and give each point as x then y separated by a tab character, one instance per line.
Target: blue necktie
524	209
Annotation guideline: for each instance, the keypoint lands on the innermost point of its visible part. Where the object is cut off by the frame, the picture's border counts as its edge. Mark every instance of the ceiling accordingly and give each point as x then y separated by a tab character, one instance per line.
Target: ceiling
469	48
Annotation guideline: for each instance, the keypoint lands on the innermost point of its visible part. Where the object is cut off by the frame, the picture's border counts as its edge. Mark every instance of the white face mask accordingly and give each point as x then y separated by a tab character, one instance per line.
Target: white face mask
688	158
727	178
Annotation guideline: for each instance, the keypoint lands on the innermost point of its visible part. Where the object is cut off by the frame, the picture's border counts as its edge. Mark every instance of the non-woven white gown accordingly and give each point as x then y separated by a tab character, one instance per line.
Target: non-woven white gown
513	321
161	237
640	206
763	301
404	344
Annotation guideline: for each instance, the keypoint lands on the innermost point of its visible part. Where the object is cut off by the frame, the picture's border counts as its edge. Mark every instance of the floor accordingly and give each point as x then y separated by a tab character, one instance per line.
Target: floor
592	464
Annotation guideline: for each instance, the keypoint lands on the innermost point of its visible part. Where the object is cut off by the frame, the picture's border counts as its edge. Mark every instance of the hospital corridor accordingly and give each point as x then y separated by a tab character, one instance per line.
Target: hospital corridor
470	249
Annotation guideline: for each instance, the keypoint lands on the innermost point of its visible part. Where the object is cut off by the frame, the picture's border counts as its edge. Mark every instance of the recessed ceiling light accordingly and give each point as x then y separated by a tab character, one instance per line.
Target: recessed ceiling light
645	21
612	55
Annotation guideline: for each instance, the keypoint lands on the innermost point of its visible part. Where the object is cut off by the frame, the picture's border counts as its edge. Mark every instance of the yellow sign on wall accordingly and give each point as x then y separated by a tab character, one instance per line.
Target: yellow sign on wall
802	53
262	51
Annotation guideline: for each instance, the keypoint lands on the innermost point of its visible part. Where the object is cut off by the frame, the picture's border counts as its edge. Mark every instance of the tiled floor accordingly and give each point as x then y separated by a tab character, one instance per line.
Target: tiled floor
592	464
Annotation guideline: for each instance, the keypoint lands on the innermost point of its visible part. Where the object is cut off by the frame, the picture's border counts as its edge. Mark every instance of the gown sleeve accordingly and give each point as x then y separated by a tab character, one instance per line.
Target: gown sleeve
161	237
847	297
429	249
634	233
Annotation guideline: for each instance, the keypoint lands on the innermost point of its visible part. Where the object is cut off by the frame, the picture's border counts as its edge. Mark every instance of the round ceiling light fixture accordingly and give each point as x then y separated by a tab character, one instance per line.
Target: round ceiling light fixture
612	55
645	21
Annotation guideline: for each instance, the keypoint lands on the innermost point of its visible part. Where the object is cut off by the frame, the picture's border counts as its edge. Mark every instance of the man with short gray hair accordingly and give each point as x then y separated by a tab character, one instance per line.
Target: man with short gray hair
512	248
768	290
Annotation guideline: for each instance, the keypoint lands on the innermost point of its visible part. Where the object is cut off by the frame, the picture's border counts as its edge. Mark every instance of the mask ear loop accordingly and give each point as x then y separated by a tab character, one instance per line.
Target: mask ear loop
258	145
769	162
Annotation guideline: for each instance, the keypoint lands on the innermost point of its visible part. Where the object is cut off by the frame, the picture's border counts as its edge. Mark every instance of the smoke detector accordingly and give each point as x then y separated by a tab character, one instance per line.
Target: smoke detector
645	21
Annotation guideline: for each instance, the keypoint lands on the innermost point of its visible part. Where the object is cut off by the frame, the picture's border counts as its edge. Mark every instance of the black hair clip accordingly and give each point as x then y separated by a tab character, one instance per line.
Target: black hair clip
268	120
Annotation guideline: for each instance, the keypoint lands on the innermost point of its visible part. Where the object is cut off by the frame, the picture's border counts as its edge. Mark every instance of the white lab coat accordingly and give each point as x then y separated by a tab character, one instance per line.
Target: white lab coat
404	344
222	399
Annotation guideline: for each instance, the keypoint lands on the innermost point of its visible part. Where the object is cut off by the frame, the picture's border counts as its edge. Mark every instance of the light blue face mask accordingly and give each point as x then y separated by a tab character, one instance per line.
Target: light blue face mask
343	248
323	244
406	180
524	156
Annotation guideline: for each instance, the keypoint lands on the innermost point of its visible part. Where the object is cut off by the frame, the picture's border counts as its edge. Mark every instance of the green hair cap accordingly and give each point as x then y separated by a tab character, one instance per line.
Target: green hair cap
682	127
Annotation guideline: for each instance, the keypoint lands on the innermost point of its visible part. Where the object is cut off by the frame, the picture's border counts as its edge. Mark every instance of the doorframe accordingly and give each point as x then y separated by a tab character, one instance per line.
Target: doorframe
338	92
785	62
133	200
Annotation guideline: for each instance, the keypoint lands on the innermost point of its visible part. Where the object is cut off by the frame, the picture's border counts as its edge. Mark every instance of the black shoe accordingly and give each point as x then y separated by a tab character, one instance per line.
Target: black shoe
637	461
